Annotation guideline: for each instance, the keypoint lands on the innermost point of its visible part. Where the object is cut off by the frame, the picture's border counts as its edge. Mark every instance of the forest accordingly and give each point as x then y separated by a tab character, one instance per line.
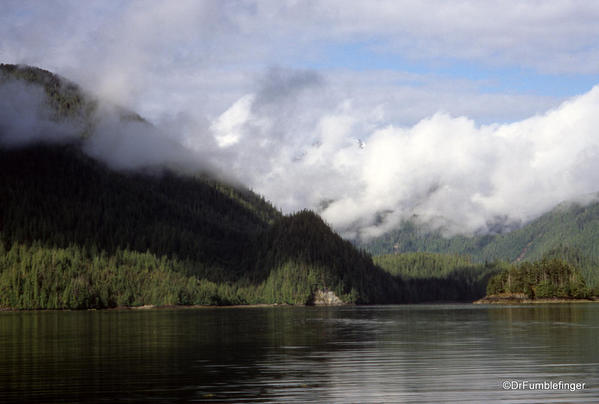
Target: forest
429	277
570	232
548	278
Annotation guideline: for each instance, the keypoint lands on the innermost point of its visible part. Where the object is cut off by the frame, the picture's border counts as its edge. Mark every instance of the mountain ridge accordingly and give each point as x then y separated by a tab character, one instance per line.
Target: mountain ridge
570	231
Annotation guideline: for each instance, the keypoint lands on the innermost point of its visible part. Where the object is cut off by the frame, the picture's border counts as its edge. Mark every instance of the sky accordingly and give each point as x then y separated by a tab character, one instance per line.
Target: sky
469	116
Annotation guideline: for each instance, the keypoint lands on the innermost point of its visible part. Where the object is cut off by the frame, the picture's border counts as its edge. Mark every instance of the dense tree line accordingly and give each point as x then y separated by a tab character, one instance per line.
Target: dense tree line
542	279
60	197
305	240
439	277
422	265
76	278
210	243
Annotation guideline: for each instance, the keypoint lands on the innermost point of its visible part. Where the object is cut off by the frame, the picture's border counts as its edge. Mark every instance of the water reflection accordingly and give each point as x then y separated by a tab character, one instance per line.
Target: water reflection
427	353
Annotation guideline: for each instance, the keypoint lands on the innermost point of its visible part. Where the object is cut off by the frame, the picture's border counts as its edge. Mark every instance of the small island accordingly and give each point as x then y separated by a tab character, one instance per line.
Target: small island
545	281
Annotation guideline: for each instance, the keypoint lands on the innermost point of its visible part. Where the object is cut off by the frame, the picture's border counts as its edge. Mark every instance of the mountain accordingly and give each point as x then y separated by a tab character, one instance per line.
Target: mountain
570	231
75	233
56	201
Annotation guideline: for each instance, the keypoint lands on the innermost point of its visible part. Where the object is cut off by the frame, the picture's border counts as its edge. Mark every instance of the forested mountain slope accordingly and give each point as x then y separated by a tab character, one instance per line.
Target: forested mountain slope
570	231
66	217
58	196
431	277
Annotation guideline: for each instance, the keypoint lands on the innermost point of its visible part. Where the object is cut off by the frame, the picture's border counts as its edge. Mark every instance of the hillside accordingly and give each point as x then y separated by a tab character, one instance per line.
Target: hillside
429	277
75	233
70	223
570	231
304	248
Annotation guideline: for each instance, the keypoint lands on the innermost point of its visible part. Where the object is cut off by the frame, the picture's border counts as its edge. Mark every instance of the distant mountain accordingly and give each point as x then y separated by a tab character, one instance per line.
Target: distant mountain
570	231
76	234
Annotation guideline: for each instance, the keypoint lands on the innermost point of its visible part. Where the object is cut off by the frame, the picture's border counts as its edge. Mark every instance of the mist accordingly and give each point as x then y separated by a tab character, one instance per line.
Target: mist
294	142
25	116
365	175
370	114
111	134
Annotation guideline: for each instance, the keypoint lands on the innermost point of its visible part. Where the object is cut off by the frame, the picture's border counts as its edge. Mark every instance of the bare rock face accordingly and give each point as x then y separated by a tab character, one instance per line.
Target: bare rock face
326	298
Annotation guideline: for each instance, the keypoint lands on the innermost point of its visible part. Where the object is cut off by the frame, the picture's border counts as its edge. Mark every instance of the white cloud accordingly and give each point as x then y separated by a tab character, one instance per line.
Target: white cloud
447	171
196	69
228	126
199	56
551	36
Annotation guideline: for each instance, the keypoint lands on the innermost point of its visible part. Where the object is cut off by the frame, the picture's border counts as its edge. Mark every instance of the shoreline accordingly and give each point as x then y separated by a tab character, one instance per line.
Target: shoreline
181	307
511	299
163	307
490	300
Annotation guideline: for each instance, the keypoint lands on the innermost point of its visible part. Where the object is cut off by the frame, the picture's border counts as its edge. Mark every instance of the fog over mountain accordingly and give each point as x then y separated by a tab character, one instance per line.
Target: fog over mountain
366	174
354	121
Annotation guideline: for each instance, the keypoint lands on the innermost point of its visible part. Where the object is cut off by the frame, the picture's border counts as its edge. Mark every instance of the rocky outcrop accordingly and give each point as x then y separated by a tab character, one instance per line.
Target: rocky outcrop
326	298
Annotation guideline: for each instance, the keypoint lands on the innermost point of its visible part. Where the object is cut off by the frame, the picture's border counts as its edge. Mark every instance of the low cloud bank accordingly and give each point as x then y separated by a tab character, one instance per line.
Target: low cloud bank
298	144
25	116
111	134
365	175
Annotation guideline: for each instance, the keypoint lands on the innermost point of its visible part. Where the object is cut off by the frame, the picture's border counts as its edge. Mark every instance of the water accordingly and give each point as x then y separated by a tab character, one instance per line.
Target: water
419	353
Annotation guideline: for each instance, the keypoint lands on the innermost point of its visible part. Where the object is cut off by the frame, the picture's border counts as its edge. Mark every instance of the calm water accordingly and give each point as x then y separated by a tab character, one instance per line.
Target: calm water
420	353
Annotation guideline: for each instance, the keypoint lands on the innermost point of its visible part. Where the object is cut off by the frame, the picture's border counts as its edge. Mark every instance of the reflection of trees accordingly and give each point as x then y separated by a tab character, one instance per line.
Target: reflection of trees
168	354
395	352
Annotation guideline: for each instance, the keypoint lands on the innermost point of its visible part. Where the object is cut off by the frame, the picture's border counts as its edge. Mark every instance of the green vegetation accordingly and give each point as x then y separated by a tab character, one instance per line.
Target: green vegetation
569	232
434	277
422	265
321	258
548	278
60	197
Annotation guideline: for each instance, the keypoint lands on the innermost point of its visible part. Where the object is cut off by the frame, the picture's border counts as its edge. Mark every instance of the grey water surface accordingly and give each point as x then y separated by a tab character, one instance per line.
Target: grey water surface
411	353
